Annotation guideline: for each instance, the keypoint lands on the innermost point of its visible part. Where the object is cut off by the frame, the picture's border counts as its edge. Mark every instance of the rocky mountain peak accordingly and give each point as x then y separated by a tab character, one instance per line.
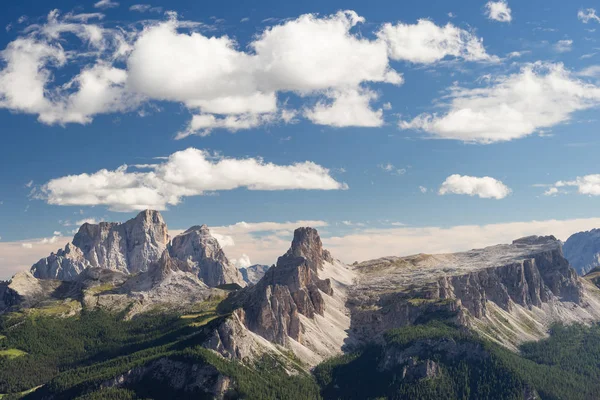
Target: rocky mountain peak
204	255
128	247
536	240
582	249
306	244
272	307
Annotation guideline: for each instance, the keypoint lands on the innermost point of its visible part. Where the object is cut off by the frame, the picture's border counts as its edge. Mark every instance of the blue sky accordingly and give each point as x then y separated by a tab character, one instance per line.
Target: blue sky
380	115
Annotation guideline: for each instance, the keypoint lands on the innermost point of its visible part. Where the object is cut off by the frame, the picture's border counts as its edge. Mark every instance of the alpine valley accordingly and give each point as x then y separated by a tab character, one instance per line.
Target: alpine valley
125	311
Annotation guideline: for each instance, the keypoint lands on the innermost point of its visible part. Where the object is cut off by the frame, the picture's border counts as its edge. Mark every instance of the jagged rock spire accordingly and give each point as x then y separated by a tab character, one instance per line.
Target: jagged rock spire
204	255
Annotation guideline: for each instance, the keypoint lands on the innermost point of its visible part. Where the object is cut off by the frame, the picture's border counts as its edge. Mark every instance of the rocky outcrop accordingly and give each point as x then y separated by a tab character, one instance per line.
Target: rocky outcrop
529	281
132	247
291	288
127	247
181	379
203	254
583	250
66	264
24	290
254	273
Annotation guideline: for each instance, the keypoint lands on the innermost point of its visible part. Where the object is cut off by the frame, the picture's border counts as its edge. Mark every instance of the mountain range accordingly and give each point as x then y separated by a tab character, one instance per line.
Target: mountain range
305	310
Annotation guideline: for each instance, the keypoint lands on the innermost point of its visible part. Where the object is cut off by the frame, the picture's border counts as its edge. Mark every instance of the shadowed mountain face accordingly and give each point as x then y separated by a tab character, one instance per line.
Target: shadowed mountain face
133	246
583	251
292	287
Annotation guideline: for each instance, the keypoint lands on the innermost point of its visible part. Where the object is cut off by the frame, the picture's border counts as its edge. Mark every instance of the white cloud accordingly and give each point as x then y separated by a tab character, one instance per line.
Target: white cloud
185	173
203	124
348	108
593	71
104	4
587	184
498	11
27	245
588	15
144	7
31	60
553	191
224	240
422	189
57	233
510	107
324	60
426	43
563	46
516	54
308	56
484	187
243	261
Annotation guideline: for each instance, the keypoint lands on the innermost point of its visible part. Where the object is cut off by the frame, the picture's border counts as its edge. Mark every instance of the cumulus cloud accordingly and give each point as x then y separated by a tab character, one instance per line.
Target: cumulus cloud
509	107
99	87
588	15
484	187
587	184
426	43
323	60
347	108
190	172
498	11
243	261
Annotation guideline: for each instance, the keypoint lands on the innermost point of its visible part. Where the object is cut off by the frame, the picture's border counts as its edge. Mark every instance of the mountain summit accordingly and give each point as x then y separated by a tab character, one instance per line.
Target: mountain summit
135	245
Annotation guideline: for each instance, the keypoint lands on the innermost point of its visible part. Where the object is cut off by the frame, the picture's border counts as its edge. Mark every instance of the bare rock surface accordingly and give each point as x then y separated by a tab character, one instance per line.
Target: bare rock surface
509	292
128	247
254	273
203	254
300	302
133	246
582	249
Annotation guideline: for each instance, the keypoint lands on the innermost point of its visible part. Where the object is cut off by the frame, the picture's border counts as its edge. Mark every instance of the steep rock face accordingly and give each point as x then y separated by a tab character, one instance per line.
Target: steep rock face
204	255
583	250
66	264
128	247
517	289
254	273
273	307
25	290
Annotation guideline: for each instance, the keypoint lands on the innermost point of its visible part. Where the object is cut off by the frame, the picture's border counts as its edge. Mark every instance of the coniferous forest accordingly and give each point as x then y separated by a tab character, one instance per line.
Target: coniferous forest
74	357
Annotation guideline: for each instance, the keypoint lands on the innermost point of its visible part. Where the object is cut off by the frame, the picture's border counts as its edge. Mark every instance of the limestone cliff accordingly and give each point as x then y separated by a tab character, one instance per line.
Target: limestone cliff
127	247
582	249
203	254
511	293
